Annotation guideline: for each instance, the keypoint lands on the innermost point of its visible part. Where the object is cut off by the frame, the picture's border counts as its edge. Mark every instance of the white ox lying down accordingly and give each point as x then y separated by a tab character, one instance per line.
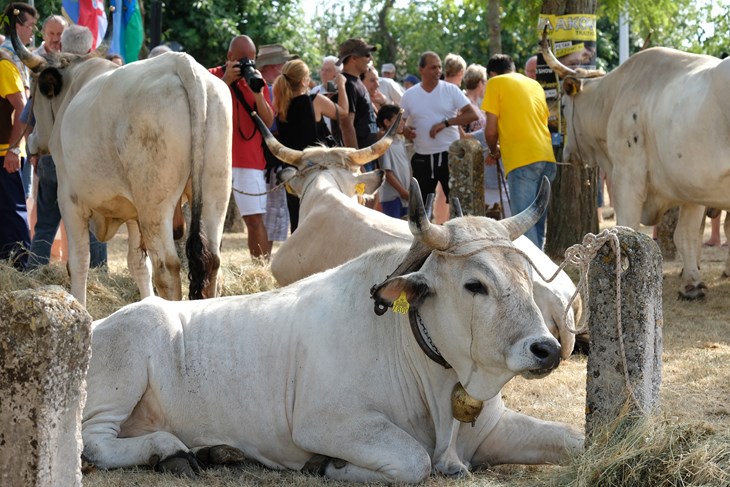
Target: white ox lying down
309	369
334	228
659	126
126	141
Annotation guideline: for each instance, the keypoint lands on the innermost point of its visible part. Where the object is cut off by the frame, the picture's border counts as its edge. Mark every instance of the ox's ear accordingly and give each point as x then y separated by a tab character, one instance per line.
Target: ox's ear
413	287
50	82
572	86
372	180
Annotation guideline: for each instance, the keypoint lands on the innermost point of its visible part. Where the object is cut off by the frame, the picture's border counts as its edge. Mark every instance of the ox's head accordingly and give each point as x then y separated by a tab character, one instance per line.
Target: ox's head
473	291
52	73
308	162
573	83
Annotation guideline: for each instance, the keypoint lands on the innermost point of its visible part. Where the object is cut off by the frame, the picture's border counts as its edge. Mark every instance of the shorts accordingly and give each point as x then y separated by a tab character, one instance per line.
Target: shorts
250	181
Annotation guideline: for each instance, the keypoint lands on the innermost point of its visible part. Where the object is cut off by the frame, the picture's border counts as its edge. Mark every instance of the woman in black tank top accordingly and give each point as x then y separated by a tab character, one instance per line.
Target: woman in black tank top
299	116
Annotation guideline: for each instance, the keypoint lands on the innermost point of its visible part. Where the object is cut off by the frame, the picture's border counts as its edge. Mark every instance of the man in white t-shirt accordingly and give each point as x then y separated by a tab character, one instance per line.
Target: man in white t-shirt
434	110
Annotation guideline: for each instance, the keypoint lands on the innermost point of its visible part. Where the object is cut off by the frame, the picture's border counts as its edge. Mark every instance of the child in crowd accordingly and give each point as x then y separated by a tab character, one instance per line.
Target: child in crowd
397	167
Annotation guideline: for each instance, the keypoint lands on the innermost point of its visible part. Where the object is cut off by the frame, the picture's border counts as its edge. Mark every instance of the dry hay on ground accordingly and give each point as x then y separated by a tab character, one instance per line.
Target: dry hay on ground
687	443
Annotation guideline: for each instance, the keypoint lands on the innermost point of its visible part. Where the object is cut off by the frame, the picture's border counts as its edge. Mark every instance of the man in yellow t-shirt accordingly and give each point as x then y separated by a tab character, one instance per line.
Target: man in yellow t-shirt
14	231
516	131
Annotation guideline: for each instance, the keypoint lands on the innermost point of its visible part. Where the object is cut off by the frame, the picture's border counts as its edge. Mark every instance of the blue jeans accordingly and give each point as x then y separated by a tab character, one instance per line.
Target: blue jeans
394	208
49	219
14	231
524	183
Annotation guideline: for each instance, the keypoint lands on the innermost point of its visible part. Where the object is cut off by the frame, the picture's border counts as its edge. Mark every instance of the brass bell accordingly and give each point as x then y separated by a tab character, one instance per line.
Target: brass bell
464	407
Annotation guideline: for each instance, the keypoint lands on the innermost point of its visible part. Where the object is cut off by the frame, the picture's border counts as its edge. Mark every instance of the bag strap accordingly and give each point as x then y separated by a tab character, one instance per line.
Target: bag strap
249	110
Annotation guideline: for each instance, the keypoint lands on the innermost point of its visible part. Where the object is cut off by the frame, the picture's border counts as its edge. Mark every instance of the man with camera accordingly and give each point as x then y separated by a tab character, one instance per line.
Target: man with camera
249	93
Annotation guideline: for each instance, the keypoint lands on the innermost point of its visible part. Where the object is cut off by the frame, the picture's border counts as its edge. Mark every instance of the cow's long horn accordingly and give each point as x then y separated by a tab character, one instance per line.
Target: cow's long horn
106	42
280	151
35	62
561	69
367	154
433	236
526	219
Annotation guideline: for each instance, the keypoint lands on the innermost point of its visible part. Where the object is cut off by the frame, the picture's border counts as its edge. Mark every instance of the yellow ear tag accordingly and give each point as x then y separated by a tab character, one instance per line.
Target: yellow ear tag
360	190
401	304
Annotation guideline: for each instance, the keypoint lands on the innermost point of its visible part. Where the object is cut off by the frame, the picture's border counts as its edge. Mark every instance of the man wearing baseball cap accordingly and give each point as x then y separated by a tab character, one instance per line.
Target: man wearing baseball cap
359	129
389	87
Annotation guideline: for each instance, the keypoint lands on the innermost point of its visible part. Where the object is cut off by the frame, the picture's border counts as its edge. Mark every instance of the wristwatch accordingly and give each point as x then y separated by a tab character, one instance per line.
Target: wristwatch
15	150
446	122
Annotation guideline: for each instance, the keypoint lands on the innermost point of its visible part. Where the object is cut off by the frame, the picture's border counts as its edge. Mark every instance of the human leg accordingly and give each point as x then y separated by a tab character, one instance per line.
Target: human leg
14	231
524	183
252	208
48	214
421	165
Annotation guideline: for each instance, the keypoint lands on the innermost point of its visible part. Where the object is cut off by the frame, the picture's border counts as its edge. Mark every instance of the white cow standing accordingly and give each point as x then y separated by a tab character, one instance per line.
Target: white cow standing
659	126
126	141
334	228
309	369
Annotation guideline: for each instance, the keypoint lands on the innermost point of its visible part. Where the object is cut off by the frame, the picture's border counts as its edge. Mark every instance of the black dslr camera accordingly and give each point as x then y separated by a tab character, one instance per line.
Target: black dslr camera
248	71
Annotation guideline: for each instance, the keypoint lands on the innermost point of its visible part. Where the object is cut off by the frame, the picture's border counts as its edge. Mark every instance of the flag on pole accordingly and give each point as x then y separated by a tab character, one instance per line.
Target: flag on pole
89	13
128	30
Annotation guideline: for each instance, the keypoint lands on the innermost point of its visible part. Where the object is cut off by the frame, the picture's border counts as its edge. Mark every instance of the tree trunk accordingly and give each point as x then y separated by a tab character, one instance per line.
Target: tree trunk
387	42
573	210
495	28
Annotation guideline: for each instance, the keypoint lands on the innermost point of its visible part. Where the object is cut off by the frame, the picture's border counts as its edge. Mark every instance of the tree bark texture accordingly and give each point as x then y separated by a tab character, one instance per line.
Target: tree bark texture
495	28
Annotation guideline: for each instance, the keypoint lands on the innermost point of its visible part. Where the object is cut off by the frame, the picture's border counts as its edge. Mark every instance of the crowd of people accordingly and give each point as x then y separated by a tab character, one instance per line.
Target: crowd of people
352	105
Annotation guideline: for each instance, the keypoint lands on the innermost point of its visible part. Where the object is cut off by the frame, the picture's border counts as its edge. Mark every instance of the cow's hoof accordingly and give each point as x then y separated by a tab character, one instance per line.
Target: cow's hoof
691	293
182	463
337	463
219	455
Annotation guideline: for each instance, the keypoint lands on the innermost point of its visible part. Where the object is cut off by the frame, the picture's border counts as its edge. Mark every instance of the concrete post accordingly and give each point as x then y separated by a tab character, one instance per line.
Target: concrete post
641	321
45	337
466	175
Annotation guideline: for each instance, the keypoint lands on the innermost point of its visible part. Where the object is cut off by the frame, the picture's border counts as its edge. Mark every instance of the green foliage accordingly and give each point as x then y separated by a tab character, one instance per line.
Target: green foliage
205	27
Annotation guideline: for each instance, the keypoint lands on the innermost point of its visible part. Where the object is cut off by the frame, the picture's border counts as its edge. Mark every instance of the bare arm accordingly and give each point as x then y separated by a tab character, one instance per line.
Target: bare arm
12	160
393	181
467	114
347	127
491	134
263	109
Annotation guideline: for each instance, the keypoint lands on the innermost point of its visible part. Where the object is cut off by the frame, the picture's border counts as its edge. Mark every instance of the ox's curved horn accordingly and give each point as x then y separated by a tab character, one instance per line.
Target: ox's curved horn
367	154
106	42
433	236
35	62
526	219
560	69
280	151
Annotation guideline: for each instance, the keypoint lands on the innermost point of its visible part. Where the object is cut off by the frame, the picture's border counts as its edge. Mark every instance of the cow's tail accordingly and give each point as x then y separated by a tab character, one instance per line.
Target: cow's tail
201	261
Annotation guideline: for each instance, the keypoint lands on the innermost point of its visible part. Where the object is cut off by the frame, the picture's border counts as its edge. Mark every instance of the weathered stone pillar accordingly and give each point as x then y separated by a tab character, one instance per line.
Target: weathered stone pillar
665	233
466	175
45	339
607	390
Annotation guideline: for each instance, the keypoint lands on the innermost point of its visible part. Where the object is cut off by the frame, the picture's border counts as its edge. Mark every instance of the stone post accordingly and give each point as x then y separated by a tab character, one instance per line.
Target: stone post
466	175
607	391
45	337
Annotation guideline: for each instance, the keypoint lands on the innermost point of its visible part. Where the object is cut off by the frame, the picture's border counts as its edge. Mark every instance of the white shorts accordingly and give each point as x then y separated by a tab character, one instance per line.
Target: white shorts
250	181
